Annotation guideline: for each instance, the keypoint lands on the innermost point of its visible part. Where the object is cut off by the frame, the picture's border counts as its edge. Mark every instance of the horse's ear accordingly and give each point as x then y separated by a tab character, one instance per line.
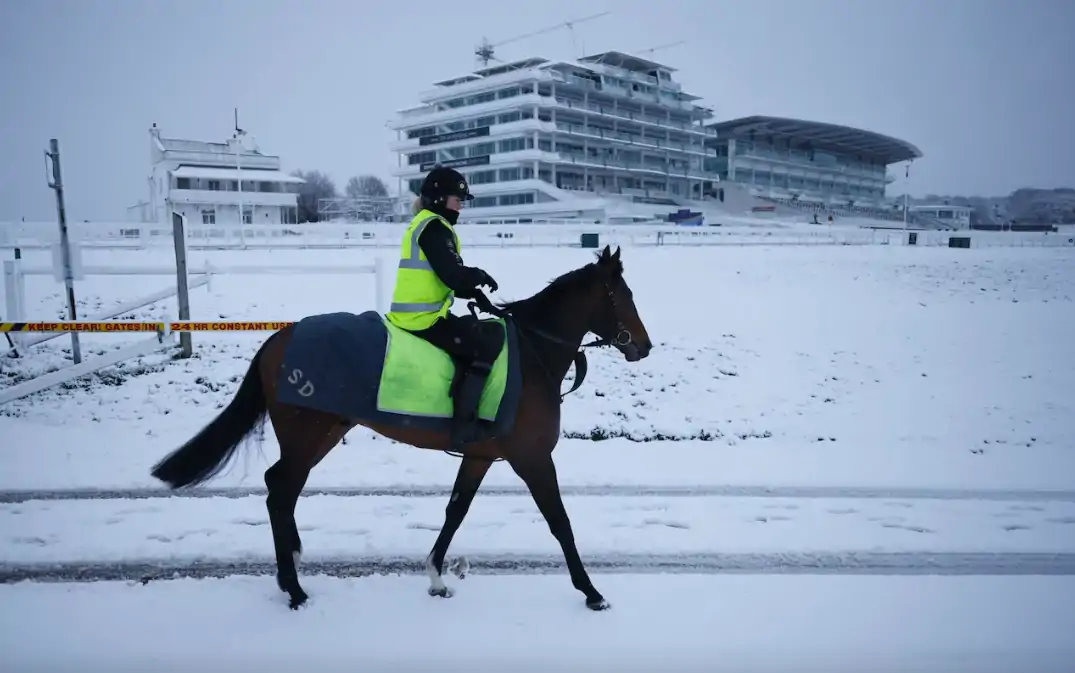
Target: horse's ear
606	255
616	255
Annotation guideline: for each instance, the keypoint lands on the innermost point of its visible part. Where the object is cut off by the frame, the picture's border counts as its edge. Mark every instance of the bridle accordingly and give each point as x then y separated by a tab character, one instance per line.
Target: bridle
622	337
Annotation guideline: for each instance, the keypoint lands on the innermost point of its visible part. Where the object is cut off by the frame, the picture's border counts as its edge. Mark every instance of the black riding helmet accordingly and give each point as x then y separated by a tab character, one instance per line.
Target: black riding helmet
442	182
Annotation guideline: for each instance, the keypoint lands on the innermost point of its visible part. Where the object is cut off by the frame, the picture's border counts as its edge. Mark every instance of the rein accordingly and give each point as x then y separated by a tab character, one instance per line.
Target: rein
622	338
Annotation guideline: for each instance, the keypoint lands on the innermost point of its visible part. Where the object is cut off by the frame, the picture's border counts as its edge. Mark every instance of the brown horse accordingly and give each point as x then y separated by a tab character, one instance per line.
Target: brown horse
551	325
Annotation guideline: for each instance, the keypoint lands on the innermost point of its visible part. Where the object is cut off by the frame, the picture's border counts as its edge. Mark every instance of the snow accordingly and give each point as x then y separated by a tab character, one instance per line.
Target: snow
811	409
690	623
339	527
880	366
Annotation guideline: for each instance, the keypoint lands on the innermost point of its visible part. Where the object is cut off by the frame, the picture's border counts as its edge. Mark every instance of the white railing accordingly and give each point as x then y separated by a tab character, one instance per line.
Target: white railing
550	233
15	310
16	307
15	273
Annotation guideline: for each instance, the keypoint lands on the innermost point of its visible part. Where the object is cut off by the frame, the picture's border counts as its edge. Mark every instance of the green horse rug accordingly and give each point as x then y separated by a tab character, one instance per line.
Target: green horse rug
362	367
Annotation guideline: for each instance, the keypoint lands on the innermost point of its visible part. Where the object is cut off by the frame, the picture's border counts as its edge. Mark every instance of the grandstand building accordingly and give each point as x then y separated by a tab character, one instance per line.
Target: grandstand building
607	135
808	164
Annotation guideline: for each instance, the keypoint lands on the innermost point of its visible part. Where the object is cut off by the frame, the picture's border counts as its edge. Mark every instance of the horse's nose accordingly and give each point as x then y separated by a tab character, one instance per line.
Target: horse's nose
645	348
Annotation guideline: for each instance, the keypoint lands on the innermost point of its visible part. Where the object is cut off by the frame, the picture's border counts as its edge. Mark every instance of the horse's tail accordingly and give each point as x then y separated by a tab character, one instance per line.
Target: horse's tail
208	452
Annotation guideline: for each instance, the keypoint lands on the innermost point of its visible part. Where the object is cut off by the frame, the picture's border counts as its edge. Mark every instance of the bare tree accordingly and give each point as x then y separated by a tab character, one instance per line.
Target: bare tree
318	186
367	200
366	185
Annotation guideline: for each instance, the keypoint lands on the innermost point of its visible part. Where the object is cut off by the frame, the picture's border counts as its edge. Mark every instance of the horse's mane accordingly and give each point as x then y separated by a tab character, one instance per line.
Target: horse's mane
569	283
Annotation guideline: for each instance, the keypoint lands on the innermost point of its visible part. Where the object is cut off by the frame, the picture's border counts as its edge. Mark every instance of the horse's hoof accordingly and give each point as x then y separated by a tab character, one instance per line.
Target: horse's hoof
441	592
298	600
598	604
459	567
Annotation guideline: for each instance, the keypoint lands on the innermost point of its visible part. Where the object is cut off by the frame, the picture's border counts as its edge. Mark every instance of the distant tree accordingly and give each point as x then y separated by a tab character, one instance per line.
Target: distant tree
317	186
371	201
366	185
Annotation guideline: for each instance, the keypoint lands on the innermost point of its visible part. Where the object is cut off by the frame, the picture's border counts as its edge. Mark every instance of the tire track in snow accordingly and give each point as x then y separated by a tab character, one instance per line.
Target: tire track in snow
838	563
615	491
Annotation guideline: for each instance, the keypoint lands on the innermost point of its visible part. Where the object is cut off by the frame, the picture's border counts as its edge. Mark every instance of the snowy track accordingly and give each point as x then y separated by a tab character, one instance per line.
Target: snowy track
836	563
620	530
708	490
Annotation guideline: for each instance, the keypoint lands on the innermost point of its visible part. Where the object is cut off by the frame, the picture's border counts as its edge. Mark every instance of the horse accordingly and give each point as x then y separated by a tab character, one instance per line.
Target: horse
546	330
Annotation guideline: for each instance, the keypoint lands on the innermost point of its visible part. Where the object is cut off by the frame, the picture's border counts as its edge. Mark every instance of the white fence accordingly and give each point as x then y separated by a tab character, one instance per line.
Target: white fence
16	305
565	233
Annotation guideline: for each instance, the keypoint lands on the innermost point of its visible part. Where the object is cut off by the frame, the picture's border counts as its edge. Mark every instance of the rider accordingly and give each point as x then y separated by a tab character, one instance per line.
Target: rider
430	275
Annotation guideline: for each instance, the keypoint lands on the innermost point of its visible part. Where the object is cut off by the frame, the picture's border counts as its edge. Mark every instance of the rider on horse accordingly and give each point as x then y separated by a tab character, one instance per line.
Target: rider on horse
429	277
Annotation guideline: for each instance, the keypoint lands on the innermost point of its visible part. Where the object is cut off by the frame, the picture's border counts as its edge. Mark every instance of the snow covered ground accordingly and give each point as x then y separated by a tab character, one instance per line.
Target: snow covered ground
879	409
856	366
737	624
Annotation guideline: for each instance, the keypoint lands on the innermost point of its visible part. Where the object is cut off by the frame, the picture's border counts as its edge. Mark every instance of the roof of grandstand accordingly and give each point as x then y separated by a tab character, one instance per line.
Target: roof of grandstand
819	134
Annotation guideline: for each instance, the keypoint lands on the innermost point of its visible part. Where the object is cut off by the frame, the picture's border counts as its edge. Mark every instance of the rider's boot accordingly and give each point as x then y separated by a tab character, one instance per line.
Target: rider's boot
465	412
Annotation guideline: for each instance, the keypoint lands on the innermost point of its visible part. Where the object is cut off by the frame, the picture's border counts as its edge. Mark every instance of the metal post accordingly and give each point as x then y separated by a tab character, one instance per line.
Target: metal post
56	183
182	294
239	178
906	194
11	298
378	285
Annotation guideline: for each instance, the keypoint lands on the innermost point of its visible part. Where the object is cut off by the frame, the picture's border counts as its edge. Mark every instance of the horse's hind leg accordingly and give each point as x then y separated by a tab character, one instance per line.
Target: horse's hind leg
467	482
305	438
285	480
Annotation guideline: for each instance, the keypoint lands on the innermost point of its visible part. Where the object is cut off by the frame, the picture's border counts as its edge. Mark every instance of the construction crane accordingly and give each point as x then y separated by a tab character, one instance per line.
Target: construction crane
662	46
485	50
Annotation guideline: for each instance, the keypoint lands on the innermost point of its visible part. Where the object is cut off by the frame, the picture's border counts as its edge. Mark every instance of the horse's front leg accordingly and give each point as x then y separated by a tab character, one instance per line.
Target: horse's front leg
467	482
539	473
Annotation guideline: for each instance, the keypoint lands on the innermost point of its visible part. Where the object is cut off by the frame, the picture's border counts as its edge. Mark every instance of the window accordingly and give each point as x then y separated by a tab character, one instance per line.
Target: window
509	174
248	215
512	145
213	185
516	199
421	158
481	149
482	177
182	183
483	202
208	216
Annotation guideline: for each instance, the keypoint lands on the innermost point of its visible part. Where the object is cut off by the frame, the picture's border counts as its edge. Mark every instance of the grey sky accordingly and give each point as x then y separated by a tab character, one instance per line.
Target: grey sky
986	88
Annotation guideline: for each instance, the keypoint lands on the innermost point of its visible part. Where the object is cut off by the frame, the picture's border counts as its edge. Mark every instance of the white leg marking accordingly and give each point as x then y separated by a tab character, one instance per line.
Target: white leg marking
437	587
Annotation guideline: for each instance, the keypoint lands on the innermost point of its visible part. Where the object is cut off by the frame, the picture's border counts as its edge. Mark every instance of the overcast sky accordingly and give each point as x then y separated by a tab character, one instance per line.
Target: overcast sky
985	88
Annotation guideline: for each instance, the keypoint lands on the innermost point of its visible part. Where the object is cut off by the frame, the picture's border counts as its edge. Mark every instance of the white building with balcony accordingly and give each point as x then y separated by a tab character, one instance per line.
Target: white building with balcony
211	183
610	136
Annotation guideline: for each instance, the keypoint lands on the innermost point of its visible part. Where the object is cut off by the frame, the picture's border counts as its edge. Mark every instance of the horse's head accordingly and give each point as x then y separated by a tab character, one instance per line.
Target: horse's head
615	318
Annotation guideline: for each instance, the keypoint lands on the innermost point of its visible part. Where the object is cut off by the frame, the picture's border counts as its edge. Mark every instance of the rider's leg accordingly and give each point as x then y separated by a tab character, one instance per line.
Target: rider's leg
465	341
